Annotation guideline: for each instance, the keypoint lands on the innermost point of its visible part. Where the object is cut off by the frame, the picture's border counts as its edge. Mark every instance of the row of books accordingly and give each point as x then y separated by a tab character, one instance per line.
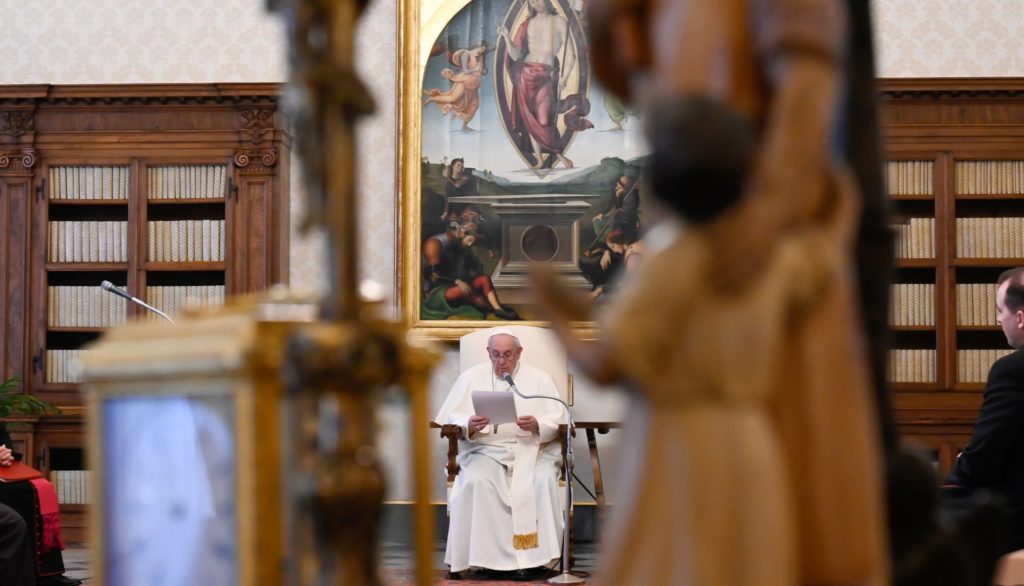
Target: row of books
186	240
913	304
171	300
72	486
972	366
989	177
990	237
975	304
88	241
909	177
916	239
89	182
187	181
62	366
912	366
84	307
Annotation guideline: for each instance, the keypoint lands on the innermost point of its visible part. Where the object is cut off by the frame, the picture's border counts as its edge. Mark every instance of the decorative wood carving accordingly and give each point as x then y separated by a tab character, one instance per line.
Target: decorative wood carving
256	134
258	122
15	160
17	154
15	123
266	157
952	87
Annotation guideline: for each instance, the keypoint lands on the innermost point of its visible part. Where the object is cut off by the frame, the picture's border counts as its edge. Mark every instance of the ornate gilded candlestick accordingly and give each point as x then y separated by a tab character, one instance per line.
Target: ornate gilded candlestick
336	367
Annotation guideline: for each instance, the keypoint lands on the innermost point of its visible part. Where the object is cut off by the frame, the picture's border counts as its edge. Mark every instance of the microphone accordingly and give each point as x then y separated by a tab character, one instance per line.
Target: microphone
108	286
112	288
508	378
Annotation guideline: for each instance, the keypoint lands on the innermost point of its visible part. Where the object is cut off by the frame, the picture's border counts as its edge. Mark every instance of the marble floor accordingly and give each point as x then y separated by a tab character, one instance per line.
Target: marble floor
396	563
76	562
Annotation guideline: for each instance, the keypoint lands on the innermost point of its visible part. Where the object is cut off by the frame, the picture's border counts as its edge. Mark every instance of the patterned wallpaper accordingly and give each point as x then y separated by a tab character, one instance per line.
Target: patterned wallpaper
133	41
180	41
949	38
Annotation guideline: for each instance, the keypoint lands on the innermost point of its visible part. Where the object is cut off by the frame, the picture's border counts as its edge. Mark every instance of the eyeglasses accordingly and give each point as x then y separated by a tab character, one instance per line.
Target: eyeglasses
508	355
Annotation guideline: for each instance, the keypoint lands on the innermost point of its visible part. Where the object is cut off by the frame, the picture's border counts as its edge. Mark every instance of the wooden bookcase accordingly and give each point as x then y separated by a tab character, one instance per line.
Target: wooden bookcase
956	162
174	192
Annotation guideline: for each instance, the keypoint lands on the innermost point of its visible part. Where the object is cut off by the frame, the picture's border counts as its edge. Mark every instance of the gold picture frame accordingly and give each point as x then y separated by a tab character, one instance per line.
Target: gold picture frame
520	220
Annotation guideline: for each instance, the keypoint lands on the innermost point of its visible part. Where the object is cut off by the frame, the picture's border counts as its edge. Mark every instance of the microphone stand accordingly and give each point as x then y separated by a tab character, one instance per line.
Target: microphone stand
565	577
112	288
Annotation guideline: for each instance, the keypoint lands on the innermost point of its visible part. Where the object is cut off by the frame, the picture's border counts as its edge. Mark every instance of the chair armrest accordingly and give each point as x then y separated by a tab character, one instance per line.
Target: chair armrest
452	433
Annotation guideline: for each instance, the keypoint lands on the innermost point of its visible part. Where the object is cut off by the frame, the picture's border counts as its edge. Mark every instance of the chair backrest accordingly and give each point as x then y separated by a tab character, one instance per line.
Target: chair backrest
541	349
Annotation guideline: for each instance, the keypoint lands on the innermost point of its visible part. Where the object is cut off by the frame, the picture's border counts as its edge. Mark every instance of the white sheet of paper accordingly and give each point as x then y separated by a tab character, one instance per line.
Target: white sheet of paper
500	406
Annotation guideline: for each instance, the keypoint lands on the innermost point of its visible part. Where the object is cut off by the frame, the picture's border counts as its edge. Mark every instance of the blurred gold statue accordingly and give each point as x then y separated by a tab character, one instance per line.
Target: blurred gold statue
754	438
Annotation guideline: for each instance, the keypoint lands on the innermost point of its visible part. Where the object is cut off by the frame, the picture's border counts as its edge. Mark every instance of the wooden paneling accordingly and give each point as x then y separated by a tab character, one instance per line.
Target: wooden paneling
945	121
237	126
14	251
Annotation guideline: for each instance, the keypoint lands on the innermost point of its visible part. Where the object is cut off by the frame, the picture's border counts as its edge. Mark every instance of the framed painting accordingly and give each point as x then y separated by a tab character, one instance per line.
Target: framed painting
510	153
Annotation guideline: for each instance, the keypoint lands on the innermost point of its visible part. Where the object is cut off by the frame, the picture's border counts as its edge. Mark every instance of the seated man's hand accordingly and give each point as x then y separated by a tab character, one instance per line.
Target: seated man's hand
477	422
528	423
6	456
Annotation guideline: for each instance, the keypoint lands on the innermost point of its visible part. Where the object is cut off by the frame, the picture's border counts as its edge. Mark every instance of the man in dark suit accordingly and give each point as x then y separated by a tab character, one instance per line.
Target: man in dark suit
994	460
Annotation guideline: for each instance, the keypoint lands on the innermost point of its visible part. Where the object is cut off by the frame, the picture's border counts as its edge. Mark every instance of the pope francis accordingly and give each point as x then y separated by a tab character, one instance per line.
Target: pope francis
504	509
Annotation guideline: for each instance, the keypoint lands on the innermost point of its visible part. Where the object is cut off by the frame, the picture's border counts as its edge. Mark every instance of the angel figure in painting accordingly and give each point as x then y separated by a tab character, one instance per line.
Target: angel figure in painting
461	100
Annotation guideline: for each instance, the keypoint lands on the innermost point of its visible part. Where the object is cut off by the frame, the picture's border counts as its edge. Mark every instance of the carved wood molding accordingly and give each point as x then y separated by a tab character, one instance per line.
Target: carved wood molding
17	135
951	88
230	94
256	134
247	160
15	123
257	122
21	159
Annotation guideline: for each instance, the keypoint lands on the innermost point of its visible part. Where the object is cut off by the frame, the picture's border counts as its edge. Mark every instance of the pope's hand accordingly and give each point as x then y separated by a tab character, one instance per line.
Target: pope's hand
478	422
6	456
528	423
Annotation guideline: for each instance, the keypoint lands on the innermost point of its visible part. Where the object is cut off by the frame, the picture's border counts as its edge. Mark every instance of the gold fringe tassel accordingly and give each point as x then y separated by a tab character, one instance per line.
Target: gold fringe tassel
525	541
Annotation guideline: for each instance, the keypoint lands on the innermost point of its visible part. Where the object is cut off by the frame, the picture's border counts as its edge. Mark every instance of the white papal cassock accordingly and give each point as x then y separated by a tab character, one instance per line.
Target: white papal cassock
504	510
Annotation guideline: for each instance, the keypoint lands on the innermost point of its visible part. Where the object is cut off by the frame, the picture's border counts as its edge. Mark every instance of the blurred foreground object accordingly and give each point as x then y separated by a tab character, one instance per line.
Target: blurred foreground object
337	368
791	491
185	444
778	375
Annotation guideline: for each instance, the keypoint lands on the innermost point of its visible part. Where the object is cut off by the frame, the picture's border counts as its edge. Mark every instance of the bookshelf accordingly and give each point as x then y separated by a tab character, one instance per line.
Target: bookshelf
178	193
955	177
86	208
186	237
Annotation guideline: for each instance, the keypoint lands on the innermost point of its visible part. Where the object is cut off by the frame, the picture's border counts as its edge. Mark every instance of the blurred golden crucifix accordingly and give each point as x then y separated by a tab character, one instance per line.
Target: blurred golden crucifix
337	367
